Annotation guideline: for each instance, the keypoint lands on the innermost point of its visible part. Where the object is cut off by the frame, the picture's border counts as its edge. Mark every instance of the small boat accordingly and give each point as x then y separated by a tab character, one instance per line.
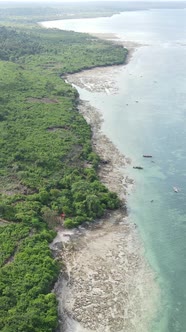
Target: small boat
176	190
137	167
147	156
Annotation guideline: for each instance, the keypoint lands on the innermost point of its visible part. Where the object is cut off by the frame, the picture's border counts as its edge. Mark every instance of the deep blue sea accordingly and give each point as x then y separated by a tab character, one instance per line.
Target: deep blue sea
156	125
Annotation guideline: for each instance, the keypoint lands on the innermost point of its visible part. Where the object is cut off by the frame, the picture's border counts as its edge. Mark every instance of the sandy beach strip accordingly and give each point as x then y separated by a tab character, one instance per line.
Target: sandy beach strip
106	284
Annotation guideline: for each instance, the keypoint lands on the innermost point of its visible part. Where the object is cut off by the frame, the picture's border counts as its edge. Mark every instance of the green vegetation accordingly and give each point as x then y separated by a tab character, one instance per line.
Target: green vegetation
57	51
47	165
25	283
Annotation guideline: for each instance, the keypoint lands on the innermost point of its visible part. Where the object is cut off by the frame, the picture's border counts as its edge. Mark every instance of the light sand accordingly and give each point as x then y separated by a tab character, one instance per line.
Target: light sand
107	285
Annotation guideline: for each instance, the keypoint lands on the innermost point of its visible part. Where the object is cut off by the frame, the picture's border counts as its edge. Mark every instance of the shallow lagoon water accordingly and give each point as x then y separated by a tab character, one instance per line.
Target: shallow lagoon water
148	116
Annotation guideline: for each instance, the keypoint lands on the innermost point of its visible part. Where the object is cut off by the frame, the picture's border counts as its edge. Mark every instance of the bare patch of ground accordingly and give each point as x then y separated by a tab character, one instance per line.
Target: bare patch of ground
10	185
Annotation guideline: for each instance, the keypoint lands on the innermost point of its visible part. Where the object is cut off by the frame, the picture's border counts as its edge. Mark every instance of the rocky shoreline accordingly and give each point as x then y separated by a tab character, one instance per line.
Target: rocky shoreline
106	285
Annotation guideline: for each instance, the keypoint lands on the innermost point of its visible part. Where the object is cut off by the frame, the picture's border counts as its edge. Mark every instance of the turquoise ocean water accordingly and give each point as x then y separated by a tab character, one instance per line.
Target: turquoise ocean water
156	125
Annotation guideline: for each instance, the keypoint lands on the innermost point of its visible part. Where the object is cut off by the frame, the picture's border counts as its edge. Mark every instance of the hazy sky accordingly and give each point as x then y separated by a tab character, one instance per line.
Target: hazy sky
50	1
53	1
61	1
